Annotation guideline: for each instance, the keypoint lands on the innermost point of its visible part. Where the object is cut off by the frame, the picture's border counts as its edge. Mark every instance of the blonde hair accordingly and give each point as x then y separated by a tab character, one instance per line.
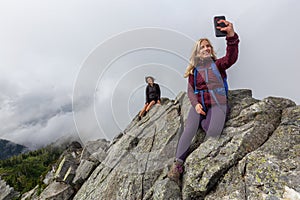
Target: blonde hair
194	59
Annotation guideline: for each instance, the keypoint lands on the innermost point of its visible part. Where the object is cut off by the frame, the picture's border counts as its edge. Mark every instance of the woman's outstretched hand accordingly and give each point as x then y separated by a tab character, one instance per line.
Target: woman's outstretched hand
229	27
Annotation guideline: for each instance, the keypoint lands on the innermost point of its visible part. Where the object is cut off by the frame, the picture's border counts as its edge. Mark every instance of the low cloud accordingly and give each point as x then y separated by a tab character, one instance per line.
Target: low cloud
36	118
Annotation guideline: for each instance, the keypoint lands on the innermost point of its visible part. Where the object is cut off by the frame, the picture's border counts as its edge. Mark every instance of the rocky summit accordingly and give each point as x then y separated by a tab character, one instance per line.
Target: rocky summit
256	157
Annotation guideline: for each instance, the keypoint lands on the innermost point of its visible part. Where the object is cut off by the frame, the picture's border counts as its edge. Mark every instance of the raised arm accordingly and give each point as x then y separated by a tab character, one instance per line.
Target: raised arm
232	48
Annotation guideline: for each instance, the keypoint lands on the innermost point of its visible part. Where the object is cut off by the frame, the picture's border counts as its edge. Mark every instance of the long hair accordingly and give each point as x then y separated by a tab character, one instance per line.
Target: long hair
194	59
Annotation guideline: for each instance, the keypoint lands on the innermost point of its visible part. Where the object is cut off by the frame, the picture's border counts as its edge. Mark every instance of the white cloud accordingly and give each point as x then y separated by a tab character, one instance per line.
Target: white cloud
44	43
37	117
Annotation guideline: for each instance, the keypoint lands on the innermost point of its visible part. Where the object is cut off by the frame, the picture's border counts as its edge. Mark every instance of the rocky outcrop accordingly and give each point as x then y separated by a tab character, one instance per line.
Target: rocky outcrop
217	168
270	172
138	158
247	129
74	167
93	154
256	156
7	192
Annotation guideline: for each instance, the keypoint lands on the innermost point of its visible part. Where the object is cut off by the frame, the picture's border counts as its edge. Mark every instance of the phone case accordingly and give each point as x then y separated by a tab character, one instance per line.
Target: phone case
217	31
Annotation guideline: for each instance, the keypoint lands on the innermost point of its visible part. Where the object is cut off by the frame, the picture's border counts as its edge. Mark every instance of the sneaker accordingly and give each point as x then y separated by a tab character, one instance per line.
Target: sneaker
139	119
176	171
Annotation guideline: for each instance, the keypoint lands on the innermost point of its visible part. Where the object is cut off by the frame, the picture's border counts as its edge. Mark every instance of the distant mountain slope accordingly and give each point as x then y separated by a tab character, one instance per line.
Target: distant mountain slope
8	149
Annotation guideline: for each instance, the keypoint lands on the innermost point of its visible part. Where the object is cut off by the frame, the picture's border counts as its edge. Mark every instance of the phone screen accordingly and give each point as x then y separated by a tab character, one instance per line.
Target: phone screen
217	31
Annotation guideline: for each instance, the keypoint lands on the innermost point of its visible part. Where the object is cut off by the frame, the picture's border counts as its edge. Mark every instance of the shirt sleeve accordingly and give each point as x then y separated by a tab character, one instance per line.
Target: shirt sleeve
232	51
158	91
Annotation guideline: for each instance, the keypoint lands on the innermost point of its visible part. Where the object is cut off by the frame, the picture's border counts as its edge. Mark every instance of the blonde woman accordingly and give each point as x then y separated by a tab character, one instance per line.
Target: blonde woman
207	91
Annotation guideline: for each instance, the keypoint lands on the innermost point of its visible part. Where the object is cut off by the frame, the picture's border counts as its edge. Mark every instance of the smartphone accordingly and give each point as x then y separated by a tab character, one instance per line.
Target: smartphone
217	31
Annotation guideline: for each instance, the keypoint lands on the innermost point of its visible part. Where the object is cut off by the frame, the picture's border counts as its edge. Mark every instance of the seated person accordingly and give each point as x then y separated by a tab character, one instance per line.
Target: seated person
152	96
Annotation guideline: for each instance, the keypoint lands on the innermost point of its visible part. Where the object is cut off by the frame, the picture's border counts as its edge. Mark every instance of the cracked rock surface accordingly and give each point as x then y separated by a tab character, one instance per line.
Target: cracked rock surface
256	157
139	158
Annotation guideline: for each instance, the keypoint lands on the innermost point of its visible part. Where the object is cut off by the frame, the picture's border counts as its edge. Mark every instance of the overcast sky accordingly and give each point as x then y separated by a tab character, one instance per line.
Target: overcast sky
45	45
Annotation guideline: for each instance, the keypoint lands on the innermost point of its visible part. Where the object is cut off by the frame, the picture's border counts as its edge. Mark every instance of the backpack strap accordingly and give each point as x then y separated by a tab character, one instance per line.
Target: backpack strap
225	86
216	71
218	75
196	91
202	100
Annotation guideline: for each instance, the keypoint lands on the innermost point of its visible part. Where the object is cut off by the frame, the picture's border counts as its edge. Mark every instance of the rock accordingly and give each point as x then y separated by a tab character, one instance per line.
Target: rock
275	165
290	194
95	151
30	195
69	163
136	160
166	189
49	176
57	191
60	178
73	168
256	156
267	172
7	192
243	134
83	171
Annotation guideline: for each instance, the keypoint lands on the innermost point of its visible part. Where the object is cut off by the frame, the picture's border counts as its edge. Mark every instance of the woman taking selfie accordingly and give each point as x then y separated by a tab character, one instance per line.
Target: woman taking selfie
207	92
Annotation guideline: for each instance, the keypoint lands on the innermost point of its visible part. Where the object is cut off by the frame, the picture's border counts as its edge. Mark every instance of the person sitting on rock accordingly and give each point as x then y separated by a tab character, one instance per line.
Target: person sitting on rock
152	96
207	92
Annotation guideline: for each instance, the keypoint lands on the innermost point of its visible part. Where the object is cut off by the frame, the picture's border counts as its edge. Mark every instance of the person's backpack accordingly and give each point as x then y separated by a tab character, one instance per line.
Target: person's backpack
221	90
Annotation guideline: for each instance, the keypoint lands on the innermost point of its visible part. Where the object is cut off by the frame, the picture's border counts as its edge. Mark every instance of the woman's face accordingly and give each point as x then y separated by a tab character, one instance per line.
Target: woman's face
149	80
205	49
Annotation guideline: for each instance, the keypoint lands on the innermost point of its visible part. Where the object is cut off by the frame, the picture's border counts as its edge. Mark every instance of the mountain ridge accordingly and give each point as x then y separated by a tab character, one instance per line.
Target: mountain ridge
256	156
9	149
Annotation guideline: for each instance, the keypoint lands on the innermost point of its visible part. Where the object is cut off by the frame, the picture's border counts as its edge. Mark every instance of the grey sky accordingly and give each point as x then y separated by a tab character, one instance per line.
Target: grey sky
43	45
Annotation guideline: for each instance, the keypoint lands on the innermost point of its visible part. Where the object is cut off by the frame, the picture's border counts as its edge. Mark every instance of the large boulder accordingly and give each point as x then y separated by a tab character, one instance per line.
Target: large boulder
270	172
248	128
57	191
69	162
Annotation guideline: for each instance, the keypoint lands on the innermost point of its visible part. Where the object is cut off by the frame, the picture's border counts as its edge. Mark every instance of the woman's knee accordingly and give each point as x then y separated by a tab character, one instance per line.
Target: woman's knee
150	105
214	130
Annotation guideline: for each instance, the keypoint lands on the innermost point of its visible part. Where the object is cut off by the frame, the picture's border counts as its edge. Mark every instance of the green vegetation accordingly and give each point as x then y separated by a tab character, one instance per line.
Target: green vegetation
25	171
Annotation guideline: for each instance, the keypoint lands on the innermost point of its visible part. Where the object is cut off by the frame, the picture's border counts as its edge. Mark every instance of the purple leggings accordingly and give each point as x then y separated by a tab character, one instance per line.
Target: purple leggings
212	124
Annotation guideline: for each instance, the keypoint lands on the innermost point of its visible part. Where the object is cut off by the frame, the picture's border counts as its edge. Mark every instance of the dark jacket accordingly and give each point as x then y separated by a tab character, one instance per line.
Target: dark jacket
152	92
222	64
